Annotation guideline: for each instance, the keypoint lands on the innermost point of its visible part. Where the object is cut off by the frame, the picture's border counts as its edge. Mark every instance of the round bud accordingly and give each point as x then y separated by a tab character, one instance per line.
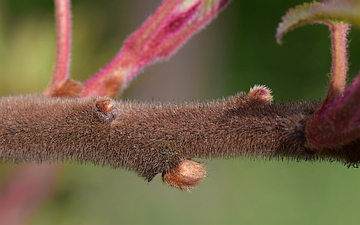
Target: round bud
186	175
260	94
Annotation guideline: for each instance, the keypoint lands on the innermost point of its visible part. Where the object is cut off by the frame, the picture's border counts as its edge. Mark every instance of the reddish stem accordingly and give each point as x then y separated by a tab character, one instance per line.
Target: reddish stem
63	46
339	68
158	38
109	80
336	122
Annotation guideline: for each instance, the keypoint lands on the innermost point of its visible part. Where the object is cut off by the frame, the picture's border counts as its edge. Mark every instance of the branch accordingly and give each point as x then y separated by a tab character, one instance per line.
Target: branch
155	138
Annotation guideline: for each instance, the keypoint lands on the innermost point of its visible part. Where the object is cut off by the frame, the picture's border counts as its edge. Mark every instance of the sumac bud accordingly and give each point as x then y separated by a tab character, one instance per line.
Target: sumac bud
186	175
260	94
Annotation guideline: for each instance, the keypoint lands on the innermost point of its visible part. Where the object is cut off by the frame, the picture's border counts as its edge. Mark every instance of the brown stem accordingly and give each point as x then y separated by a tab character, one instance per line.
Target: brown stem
154	138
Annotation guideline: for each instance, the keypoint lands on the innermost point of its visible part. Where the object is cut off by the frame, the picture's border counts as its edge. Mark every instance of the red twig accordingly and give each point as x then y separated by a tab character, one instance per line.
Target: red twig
63	47
339	61
158	38
336	122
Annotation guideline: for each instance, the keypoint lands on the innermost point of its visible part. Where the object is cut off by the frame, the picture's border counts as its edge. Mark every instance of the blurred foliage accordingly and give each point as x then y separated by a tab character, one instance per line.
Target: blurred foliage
243	52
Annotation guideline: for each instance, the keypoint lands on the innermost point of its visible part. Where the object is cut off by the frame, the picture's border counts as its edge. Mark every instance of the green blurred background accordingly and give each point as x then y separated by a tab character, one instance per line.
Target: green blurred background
233	53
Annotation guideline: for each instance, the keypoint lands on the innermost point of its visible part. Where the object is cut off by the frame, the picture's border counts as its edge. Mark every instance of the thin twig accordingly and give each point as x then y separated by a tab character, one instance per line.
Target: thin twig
338	33
63	46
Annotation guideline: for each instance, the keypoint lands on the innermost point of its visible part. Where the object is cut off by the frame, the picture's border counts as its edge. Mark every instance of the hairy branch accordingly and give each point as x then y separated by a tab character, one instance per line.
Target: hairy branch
163	138
155	138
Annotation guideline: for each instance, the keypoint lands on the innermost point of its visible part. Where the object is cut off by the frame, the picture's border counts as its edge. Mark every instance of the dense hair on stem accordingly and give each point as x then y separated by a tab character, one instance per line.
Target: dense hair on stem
154	138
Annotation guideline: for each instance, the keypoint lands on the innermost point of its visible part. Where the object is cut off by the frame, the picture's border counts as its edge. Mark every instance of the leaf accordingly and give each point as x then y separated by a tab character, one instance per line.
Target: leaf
319	12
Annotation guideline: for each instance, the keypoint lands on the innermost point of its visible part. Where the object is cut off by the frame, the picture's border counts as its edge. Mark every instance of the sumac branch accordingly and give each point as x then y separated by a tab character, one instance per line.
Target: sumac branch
152	138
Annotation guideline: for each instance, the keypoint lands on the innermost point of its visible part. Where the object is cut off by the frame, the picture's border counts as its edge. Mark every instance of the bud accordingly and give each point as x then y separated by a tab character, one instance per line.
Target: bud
104	106
185	176
260	94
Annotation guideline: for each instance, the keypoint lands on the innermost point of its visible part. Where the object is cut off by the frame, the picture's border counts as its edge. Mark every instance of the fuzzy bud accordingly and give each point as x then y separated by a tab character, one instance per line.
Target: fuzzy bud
261	94
185	176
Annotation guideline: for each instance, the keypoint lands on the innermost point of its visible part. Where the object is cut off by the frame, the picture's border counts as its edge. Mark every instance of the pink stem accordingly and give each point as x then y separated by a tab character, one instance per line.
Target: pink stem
113	73
63	44
339	63
158	38
328	127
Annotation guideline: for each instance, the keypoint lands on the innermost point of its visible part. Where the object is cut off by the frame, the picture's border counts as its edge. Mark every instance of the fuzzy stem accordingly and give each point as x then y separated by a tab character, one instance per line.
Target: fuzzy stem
339	31
63	46
63	41
331	125
173	23
154	138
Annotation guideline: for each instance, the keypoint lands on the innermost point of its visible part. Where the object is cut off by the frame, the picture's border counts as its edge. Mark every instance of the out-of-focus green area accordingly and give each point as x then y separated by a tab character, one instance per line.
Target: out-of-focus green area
235	52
